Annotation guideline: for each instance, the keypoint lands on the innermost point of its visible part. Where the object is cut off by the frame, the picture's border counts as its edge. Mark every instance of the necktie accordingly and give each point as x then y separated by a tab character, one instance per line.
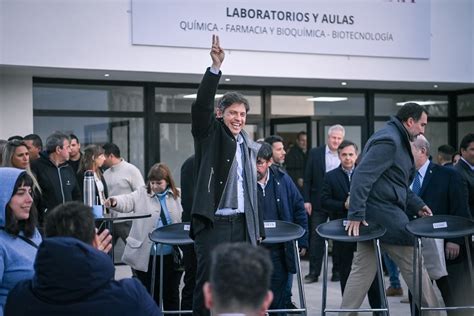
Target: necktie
349	174
416	184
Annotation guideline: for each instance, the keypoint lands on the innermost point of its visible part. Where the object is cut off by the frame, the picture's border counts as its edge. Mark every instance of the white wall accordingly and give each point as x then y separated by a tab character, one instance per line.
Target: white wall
16	105
96	34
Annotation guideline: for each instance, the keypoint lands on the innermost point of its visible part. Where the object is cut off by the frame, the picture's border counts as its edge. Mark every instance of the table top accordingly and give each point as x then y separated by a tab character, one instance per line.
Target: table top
280	231
113	216
336	230
173	234
441	226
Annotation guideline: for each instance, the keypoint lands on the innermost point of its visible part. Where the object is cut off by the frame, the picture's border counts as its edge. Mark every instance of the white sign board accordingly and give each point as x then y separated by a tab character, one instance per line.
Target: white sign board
388	28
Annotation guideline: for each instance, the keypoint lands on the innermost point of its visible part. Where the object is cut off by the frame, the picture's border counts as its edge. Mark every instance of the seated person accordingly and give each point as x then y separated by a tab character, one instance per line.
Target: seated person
239	280
72	277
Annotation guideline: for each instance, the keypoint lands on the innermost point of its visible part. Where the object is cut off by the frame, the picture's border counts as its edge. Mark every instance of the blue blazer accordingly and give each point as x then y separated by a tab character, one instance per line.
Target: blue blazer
443	191
335	191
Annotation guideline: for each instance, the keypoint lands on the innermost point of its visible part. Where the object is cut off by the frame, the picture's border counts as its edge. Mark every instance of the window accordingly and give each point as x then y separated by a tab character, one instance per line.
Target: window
310	104
87	97
389	104
466	105
180	100
99	130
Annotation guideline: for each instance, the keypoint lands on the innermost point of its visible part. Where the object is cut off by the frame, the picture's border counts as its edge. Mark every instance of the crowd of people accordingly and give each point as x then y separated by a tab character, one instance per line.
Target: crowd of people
229	187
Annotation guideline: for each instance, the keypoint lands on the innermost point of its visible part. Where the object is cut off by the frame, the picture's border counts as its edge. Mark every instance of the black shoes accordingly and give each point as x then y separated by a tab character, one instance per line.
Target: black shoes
311	278
336	277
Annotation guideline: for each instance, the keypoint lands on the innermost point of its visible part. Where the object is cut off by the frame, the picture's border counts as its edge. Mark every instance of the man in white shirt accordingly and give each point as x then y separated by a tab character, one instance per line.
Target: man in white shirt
320	161
121	178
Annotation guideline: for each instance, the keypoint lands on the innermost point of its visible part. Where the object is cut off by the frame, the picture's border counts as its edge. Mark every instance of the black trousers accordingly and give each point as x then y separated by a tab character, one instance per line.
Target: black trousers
225	229
189	259
316	243
171	280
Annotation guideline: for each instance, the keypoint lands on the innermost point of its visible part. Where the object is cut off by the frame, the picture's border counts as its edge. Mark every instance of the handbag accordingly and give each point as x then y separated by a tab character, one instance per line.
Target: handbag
433	255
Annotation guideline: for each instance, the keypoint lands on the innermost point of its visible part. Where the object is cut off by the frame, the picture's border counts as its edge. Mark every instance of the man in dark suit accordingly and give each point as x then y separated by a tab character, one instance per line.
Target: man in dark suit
189	256
442	190
335	199
320	160
225	208
295	161
445	155
465	167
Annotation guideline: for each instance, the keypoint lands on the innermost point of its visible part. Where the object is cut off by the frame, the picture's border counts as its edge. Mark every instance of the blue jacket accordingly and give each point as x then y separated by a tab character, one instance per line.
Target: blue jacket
16	255
73	278
290	208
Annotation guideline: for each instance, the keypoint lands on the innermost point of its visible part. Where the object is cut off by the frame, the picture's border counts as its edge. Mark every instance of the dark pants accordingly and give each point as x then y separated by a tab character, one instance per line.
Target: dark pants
316	243
279	279
121	230
225	229
171	280
189	258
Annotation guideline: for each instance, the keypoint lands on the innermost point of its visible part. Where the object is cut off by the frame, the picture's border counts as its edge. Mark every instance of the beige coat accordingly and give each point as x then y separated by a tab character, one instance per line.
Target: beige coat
137	249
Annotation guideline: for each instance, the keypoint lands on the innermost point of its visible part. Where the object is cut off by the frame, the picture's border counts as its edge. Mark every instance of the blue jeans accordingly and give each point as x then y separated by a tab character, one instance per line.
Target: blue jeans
393	271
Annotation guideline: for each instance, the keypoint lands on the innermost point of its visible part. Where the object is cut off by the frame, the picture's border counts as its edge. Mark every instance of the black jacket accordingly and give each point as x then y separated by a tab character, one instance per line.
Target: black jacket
314	176
335	192
58	184
468	178
214	147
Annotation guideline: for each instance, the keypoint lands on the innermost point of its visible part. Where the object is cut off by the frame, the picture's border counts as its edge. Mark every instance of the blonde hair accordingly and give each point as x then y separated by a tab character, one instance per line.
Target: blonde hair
9	151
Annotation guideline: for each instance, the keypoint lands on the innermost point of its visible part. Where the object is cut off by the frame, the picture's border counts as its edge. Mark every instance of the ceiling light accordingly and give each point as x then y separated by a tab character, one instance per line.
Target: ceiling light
106	75
227	79
327	99
435	86
343	83
193	96
422	102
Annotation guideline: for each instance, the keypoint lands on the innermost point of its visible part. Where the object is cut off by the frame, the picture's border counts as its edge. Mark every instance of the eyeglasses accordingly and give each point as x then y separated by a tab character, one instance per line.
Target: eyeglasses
261	162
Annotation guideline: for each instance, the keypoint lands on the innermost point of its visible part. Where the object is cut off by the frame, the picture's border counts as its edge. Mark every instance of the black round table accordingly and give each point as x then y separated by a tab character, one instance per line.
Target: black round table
109	218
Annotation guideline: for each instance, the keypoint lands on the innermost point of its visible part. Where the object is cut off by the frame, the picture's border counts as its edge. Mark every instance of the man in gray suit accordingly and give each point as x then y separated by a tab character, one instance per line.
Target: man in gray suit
380	193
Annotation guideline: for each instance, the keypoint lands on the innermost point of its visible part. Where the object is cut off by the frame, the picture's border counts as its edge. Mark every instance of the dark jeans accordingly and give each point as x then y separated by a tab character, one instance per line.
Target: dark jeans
225	229
279	279
171	280
189	258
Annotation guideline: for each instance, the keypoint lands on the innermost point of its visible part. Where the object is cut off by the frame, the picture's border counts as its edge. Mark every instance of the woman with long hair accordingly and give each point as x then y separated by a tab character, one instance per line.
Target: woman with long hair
161	198
93	159
19	237
16	155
